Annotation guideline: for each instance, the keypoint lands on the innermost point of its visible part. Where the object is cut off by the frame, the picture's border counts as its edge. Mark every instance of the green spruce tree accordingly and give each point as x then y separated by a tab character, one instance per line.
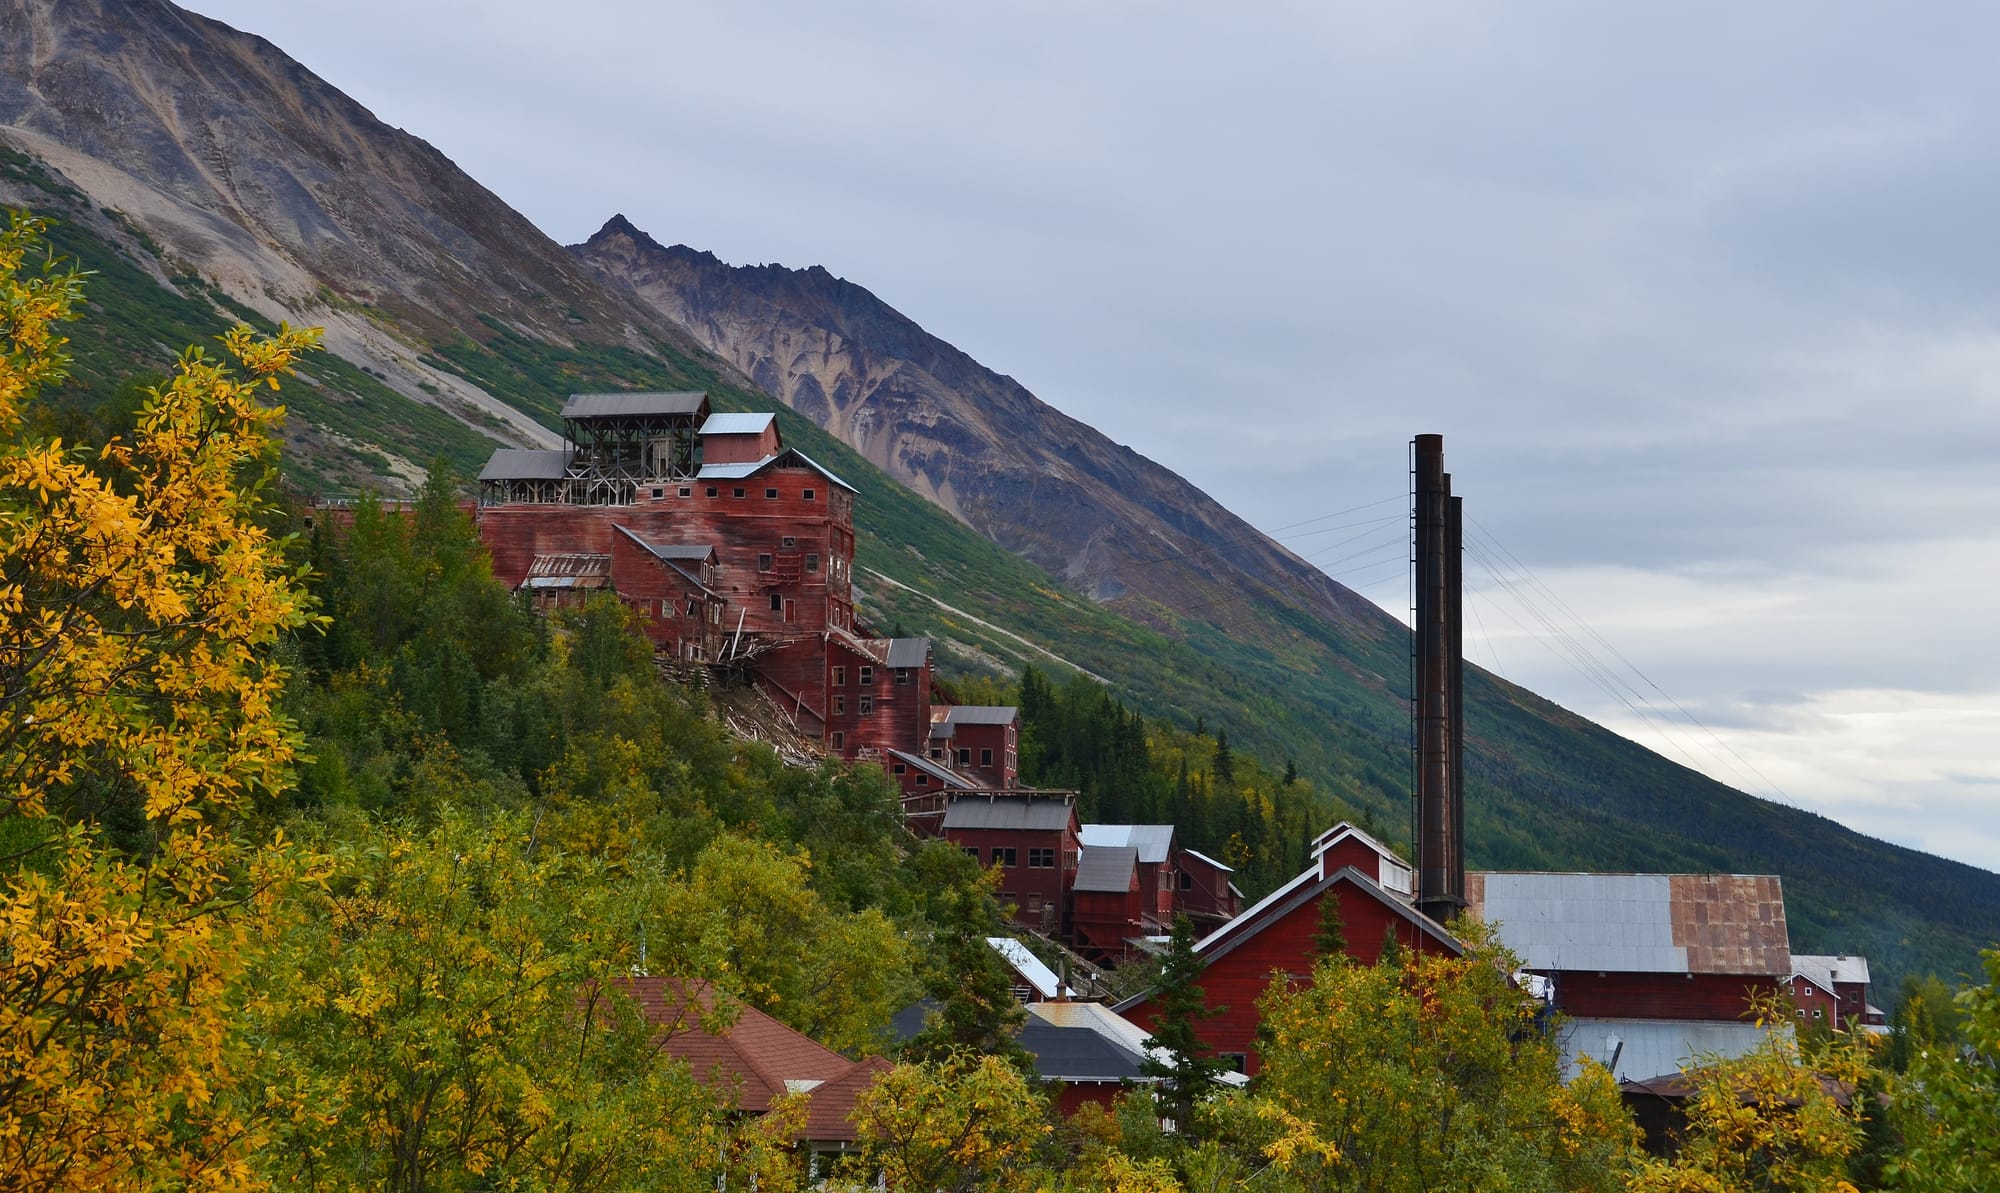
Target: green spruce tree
1187	1076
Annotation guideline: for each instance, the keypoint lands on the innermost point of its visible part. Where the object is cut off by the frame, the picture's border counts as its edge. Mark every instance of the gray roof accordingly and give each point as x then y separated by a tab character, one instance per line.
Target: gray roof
634	405
1637	923
525	464
980	714
909	652
1824	971
1077	1054
1106	868
1153	841
736	424
1008	812
943	774
1648	1048
737	472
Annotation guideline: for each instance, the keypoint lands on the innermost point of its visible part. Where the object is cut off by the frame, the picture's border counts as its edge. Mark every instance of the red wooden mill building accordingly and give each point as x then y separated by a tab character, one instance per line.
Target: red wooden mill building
734	549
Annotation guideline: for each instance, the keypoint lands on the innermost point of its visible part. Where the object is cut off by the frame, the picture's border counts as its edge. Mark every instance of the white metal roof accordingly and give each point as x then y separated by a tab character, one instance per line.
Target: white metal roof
1153	841
1195	853
737	424
1029	966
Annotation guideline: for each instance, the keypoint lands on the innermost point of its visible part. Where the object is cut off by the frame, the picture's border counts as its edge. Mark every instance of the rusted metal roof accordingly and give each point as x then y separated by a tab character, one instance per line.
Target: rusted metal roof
522	464
635	405
575	570
1638	923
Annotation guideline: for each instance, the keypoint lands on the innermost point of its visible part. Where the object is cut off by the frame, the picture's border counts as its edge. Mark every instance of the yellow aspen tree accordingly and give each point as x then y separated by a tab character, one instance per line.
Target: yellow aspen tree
139	601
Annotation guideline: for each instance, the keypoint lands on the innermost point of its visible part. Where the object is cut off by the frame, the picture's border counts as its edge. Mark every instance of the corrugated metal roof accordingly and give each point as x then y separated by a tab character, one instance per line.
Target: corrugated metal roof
909	652
1007	812
524	464
982	714
737	424
737	472
732	472
1649	1048
1153	841
1106	868
1637	923
634	405
1025	963
569	565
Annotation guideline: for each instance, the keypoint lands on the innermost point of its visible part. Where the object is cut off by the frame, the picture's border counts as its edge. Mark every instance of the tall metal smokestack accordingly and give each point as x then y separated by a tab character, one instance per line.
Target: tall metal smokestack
1438	684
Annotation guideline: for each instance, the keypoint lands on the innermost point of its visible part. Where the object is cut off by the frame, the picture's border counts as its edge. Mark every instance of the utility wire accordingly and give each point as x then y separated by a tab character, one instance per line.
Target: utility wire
1520	582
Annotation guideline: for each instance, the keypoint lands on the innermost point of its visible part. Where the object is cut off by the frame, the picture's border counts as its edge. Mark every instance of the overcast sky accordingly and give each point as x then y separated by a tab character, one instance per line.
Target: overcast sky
1705	301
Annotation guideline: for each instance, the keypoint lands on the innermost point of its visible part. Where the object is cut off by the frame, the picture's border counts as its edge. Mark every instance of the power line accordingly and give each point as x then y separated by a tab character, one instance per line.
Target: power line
1583	655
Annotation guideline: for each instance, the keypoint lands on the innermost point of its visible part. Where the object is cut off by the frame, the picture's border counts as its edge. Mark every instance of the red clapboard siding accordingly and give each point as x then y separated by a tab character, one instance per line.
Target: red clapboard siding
1234	981
1658	996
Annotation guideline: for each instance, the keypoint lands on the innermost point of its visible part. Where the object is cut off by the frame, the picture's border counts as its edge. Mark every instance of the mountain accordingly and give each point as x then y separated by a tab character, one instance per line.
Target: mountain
1113	524
206	177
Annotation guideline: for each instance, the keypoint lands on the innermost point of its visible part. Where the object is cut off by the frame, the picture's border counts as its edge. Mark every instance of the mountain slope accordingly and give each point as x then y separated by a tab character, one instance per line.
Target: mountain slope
1111	522
206	176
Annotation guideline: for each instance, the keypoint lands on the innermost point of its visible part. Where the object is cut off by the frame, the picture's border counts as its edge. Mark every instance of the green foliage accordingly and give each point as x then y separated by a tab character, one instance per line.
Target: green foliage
1949	1104
1186	1080
445	1016
1429	1073
973	993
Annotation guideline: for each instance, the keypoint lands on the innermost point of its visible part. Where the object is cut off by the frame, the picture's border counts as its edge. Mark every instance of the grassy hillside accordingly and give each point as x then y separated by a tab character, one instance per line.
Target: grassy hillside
1548	790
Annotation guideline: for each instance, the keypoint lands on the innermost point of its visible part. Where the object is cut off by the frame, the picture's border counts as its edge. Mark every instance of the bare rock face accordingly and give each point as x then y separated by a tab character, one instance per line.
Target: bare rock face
255	173
1028	477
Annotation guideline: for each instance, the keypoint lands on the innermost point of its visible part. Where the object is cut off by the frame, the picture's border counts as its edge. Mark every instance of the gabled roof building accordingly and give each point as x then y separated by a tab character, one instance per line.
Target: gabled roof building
1651	970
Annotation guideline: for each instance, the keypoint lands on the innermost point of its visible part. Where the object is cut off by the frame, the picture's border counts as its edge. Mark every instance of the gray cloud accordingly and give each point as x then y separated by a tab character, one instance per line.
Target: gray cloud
1703	297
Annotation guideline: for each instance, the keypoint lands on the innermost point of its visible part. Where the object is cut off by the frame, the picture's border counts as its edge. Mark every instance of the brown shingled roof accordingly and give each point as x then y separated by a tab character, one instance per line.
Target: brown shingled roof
756	1056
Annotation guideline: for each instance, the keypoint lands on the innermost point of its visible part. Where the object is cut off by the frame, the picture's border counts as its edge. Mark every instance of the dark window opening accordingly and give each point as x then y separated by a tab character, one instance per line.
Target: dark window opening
1041	859
1003	855
788	542
839	741
688	491
964	756
902	675
901	768
770	494
736	492
986	758
923	780
657	493
972	851
839	677
763	563
807	494
868	675
867	704
712	490
840	706
812	563
777	602
1187	881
